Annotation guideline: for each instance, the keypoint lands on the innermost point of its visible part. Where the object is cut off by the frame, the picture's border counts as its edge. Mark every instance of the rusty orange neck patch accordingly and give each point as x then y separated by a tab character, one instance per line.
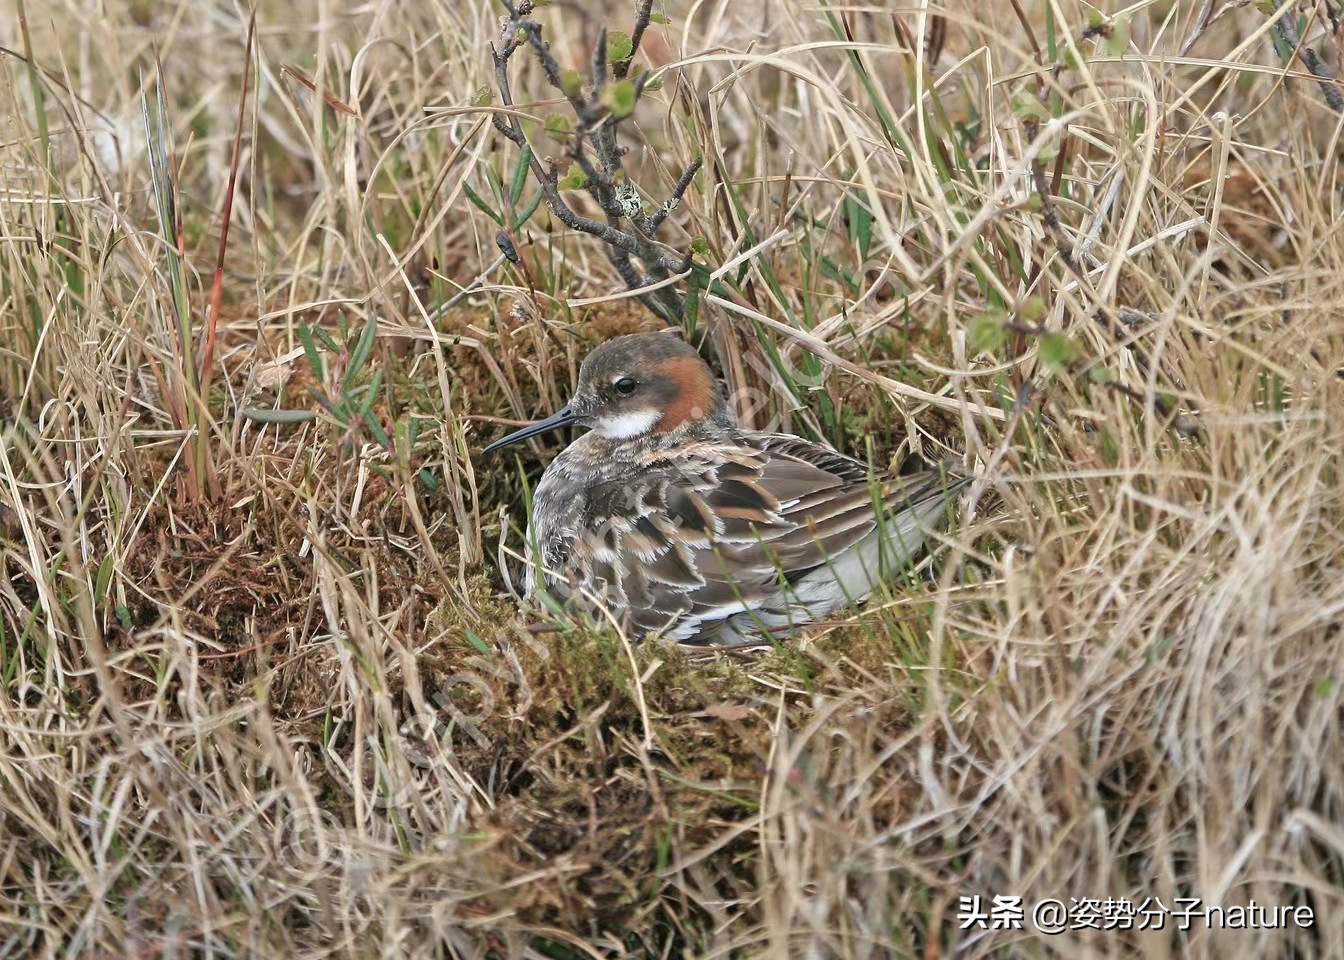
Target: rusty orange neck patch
694	396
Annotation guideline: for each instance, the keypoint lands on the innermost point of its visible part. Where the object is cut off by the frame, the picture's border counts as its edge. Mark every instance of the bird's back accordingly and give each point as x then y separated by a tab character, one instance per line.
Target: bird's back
717	539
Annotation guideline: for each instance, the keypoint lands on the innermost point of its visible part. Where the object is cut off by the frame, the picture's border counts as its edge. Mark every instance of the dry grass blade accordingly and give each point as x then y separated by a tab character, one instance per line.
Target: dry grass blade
186	399
329	98
264	686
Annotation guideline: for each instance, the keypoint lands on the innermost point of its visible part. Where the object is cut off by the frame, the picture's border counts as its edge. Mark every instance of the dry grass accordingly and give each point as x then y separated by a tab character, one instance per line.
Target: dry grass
305	718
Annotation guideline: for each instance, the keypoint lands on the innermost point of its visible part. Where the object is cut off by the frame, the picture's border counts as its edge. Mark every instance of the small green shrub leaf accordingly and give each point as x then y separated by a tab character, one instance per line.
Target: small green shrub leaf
520	175
1057	350
619	47
376	428
325	337
987	334
559	127
1117	42
310	349
360	354
481	205
1027	106
619	98
576	179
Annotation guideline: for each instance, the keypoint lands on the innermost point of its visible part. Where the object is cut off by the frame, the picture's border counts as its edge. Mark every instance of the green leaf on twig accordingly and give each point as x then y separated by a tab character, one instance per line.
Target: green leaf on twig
619	47
576	179
559	127
1057	350
619	98
1027	106
1117	41
987	333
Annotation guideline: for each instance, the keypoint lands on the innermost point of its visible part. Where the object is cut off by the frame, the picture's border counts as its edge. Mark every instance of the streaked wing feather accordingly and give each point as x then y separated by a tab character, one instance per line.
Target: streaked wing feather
710	535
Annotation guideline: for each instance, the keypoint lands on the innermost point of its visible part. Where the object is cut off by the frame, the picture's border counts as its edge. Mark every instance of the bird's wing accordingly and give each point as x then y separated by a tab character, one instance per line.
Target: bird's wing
722	528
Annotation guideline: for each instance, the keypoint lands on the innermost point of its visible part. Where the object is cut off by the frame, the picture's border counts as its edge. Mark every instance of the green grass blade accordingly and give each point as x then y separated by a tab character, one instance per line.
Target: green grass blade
359	356
310	350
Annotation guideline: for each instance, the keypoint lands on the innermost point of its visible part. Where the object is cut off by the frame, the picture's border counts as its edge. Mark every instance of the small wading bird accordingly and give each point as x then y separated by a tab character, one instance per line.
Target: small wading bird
687	527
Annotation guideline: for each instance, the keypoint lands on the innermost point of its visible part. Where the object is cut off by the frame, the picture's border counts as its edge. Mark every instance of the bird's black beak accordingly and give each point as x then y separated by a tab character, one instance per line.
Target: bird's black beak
561	418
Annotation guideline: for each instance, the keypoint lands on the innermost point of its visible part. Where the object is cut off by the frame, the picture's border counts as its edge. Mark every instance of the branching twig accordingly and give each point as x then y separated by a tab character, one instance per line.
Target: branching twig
628	233
683	182
1182	424
643	14
1286	31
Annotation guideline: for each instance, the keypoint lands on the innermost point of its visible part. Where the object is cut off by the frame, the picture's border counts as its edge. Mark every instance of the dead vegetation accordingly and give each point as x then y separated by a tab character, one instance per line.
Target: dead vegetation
1096	252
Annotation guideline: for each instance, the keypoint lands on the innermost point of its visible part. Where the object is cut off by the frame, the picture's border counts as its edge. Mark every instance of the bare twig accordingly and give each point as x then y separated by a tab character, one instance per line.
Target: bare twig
628	233
683	182
1197	30
1286	31
643	14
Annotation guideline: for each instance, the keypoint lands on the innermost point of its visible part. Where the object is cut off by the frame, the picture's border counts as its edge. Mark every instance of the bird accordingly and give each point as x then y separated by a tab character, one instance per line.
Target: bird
686	527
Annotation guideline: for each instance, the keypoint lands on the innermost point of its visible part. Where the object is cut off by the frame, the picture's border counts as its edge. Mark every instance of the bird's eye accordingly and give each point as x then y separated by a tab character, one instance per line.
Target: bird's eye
625	386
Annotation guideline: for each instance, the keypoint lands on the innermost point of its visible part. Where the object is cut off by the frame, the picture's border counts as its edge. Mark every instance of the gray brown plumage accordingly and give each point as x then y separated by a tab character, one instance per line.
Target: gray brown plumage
689	528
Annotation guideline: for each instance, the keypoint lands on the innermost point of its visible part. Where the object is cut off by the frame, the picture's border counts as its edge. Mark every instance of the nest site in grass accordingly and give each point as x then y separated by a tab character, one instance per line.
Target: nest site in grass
268	288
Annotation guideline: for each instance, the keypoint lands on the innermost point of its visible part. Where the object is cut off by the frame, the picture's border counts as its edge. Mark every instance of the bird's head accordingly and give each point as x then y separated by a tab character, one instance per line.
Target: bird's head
635	386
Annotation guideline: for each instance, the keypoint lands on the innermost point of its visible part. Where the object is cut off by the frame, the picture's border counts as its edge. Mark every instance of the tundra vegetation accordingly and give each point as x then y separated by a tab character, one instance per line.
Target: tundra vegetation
269	282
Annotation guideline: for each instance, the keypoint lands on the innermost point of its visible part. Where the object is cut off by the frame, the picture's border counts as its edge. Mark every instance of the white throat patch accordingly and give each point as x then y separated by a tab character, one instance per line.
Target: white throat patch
628	425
